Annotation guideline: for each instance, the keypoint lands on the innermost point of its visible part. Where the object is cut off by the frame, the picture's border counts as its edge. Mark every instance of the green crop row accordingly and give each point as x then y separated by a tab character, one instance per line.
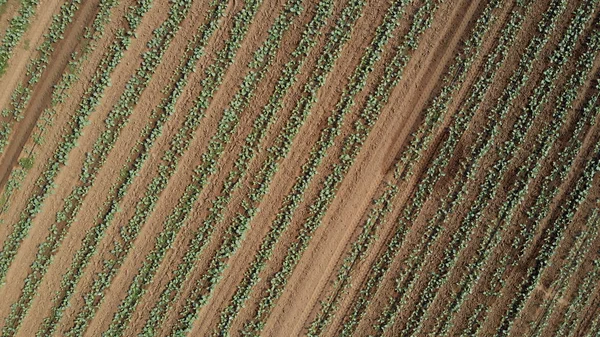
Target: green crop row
60	90
517	81
337	37
259	66
438	108
130	170
550	240
575	257
123	243
95	159
376	216
350	149
549	135
90	100
382	264
491	237
520	129
292	68
594	329
68	78
580	303
16	28
465	175
433	115
22	93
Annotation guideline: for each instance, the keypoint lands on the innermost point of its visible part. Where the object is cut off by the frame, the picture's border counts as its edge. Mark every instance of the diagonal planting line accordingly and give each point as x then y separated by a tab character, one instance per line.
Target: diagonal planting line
352	145
95	159
259	66
418	196
337	38
90	100
261	124
35	69
17	27
140	153
123	243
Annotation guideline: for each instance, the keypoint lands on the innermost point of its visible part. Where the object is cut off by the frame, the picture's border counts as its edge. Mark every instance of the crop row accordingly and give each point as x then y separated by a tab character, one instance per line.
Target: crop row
259	66
465	175
490	239
437	109
530	168
356	82
459	239
131	169
69	77
22	94
551	239
16	28
453	79
350	149
122	244
60	90
575	257
580	302
517	81
433	115
220	203
379	269
337	38
548	135
381	207
594	329
95	159
90	100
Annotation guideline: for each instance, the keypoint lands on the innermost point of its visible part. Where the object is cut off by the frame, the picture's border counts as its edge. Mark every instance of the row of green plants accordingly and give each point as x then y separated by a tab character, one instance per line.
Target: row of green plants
438	108
594	329
259	67
532	166
433	115
464	176
550	240
95	159
573	263
138	155
381	206
22	94
351	146
17	26
60	90
582	302
529	170
453	79
122	243
460	239
417	199
281	147
220	204
492	238
516	83
89	101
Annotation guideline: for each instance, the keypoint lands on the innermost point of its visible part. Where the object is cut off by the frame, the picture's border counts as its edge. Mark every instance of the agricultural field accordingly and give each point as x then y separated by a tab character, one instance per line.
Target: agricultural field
299	168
